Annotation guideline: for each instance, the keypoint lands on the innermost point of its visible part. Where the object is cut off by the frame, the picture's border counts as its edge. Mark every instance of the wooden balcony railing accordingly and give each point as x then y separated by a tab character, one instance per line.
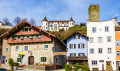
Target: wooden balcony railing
78	58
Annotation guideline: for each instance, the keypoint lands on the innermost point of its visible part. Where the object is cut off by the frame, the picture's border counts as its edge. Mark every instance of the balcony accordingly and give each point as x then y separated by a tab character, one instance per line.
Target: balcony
78	58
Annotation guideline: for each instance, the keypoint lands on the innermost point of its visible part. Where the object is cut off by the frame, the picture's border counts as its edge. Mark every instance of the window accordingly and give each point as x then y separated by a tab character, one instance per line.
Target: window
37	36
109	50
28	36
94	62
81	54
94	29
56	60
100	50
118	53
6	49
13	37
91	50
109	39
72	46
77	37
117	42
91	39
43	59
26	48
46	47
99	39
17	48
18	60
81	45
46	27
26	29
46	23
106	28
72	54
18	37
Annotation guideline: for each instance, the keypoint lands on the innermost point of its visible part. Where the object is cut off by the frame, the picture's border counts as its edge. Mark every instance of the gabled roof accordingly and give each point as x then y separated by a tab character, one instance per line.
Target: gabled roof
23	22
74	34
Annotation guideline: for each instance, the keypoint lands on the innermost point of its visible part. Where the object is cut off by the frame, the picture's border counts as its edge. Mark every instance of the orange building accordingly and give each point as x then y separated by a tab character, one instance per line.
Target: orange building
117	38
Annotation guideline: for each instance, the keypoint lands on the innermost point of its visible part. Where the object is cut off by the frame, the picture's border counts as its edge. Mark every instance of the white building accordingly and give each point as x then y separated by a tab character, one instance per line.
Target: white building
57	24
4	26
101	45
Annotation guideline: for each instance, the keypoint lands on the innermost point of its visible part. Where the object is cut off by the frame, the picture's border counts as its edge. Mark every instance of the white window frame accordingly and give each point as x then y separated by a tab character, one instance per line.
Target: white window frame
109	51
94	62
17	49
94	29
91	38
118	44
108	38
7	48
106	28
100	50
91	49
24	48
100	39
46	48
117	53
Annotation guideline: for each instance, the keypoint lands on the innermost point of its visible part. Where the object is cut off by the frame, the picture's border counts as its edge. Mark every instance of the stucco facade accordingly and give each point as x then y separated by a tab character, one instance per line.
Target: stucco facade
101	45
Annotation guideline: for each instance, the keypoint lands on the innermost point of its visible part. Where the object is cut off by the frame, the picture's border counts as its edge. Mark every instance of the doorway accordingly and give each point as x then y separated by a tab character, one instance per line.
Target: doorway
31	60
108	65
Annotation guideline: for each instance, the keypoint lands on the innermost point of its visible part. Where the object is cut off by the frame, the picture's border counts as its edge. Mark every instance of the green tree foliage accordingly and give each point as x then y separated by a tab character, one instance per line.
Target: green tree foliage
11	62
61	30
82	67
2	30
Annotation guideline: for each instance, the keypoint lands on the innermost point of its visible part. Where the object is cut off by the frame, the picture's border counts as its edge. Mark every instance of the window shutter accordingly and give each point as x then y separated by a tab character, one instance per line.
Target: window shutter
70	54
83	54
83	46
70	46
74	54
74	37
78	36
78	54
74	45
78	45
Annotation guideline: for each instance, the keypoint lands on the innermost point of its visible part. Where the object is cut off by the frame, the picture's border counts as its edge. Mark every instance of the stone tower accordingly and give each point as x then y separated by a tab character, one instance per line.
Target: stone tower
94	13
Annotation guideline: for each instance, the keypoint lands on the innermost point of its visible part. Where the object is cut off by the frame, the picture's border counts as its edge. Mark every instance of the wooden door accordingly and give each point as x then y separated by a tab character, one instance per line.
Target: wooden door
95	69
31	60
108	66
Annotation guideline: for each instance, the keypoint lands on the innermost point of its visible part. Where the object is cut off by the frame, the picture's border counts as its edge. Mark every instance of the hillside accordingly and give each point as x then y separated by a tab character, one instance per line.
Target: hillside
64	34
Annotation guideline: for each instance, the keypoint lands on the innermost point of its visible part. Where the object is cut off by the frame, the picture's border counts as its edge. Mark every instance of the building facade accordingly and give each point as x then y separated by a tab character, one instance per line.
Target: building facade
30	45
57	24
94	13
117	40
101	45
77	49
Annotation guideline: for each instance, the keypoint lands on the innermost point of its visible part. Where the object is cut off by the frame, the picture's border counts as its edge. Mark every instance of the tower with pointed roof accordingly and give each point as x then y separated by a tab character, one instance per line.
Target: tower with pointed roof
45	24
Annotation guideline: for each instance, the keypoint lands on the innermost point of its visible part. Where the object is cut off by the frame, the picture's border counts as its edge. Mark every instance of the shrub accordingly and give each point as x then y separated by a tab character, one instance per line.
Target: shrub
82	67
16	64
68	67
11	62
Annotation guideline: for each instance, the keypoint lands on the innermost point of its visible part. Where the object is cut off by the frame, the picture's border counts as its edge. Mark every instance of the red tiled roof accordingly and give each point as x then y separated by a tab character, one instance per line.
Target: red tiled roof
58	21
24	21
71	19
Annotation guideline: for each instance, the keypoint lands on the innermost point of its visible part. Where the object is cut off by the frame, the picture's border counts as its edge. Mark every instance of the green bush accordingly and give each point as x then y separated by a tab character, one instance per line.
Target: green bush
16	64
82	67
61	30
11	62
68	67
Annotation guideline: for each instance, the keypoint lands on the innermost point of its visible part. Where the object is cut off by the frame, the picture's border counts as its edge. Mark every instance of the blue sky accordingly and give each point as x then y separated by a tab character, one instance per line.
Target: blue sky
57	9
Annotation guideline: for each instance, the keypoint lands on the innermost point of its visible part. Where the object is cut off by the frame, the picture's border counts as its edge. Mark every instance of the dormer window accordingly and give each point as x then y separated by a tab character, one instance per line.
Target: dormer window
26	29
77	37
13	37
37	36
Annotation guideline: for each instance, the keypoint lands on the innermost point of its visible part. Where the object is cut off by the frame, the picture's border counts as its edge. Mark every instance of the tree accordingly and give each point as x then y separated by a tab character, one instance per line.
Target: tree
32	21
11	63
6	22
17	20
82	23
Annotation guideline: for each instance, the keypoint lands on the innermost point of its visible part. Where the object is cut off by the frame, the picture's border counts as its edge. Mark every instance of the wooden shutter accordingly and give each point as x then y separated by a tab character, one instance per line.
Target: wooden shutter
74	37
74	54
83	54
83	45
70	46
70	54
74	45
78	54
78	36
78	45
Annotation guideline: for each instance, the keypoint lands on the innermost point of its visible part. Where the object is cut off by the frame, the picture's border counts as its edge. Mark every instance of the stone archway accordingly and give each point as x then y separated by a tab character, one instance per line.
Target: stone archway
31	60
